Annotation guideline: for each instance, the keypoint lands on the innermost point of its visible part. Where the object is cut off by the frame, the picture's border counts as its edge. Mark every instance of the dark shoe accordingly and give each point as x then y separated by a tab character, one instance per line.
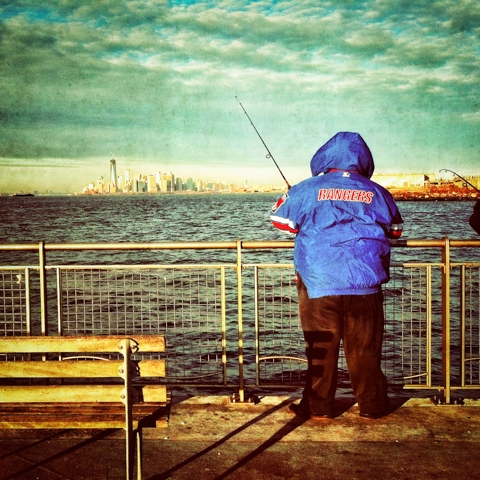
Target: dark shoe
374	416
298	410
301	411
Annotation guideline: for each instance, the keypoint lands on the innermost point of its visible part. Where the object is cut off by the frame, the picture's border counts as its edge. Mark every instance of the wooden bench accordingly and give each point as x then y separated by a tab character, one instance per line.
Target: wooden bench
104	405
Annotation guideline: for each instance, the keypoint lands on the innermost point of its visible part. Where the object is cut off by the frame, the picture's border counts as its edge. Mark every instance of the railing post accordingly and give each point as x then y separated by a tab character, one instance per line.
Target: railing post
462	324
240	321
429	326
43	287
59	301
257	343
446	361
125	348
28	310
28	303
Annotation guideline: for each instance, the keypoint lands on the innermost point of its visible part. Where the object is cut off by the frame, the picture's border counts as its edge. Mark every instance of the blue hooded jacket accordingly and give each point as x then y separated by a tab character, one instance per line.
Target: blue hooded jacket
342	221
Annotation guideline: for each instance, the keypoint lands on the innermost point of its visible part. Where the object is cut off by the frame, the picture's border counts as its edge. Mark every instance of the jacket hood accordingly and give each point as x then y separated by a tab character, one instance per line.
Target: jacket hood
344	151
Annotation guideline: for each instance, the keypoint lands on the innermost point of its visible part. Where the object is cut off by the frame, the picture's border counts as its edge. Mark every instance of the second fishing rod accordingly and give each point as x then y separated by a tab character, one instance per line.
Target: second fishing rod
466	181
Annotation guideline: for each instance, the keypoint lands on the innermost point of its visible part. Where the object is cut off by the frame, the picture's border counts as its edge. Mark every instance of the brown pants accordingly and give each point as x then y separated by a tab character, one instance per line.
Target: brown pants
357	320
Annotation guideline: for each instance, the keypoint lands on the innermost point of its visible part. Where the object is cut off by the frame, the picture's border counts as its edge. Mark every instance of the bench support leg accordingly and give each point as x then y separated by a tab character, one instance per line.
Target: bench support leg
130	454
139	454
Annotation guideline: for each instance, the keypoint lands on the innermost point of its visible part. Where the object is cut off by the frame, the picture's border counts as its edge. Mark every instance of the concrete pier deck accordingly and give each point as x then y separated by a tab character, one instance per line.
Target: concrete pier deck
210	438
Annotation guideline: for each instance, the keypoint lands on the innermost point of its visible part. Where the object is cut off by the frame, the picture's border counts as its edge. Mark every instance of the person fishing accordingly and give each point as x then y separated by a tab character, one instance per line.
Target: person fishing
343	222
474	220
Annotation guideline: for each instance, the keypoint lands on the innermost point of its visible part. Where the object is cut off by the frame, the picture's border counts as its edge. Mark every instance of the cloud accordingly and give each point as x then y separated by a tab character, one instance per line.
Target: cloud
157	80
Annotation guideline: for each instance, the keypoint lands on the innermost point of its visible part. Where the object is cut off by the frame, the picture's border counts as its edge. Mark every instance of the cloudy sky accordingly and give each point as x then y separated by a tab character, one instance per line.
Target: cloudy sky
154	82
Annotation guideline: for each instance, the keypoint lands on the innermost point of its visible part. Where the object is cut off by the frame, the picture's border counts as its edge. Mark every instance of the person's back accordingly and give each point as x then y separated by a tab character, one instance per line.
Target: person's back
342	221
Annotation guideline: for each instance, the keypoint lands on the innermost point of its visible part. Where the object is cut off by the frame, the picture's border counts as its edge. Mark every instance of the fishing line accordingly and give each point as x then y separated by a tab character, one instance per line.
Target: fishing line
264	144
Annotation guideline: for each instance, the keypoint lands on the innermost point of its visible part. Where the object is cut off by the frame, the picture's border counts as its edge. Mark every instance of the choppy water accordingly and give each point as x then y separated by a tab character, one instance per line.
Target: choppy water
159	218
194	218
167	218
188	218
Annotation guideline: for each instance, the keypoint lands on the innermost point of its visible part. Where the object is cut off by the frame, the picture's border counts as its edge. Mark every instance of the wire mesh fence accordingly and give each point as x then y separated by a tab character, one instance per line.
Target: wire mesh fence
407	342
14	305
184	305
14	302
470	334
280	354
196	307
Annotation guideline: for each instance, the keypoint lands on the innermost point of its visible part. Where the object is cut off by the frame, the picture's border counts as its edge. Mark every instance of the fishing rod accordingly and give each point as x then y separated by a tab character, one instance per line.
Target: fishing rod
264	144
466	181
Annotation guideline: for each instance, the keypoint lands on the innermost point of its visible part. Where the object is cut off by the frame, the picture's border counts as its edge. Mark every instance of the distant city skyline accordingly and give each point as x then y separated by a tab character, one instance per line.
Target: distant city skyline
131	181
59	182
155	83
28	177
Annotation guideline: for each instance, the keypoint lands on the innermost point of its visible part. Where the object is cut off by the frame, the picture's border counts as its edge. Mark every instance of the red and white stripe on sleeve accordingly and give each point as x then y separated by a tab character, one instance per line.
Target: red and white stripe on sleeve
283	224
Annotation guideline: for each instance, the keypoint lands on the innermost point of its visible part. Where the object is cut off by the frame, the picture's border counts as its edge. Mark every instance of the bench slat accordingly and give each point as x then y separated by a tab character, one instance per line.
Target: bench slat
89	408
90	415
80	422
83	369
77	421
84	422
75	393
90	344
154	393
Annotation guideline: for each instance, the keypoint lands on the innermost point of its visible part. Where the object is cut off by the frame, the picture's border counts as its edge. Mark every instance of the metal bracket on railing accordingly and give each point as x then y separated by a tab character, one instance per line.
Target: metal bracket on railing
235	399
441	401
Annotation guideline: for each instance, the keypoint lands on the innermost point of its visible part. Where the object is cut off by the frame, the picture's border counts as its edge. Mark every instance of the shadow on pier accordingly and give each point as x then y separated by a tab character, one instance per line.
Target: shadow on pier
210	438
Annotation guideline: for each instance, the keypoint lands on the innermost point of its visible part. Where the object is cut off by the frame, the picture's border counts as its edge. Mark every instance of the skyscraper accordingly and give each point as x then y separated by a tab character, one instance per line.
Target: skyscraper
191	184
178	184
167	182
100	185
136	181
151	184
113	174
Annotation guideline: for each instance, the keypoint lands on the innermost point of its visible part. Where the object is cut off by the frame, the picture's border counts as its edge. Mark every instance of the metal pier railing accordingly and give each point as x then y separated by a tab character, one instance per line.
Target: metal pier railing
229	310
